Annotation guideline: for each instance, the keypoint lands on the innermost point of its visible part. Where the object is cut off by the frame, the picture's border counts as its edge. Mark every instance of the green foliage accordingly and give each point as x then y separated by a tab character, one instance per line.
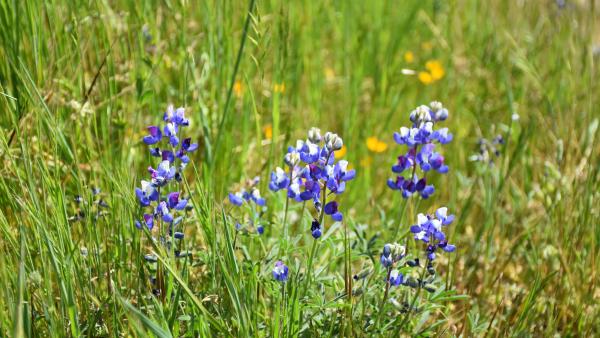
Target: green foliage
80	81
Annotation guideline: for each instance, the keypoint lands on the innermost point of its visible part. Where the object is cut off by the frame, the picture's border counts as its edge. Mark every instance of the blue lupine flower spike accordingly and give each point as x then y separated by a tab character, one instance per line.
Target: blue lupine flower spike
421	139
311	171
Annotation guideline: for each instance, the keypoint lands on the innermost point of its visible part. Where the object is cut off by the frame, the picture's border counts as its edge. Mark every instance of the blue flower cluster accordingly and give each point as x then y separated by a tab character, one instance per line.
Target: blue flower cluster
174	157
250	195
253	195
280	272
312	173
429	229
420	140
393	253
488	150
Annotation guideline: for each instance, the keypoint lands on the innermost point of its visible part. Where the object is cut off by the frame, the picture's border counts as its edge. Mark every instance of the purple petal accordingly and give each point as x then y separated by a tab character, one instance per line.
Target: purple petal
235	199
337	216
449	248
155	131
150	140
331	208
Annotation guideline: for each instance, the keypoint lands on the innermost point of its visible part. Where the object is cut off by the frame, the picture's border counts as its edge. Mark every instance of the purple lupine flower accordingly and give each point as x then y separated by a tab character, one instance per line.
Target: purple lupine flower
186	147
255	196
146	194
154	137
162	210
148	221
251	195
338	175
313	174
315	229
279	180
163	174
391	254
236	198
386	256
280	272
331	209
309	152
167	155
419	139
155	152
176	116
171	132
396	278
167	208
174	202
429	230
239	197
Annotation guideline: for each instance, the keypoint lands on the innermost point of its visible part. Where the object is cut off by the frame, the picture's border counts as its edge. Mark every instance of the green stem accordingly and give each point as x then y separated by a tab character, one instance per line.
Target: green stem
405	200
412	304
385	296
233	75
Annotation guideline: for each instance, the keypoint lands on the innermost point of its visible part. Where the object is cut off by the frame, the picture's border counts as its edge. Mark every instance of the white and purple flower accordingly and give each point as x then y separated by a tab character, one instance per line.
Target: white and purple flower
280	272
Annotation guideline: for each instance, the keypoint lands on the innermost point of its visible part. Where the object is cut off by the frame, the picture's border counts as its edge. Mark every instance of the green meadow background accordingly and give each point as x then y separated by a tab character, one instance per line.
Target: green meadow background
80	81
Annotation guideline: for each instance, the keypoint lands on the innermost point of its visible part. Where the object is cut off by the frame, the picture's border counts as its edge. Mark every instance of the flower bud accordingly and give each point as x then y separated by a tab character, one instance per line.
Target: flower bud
292	159
333	141
436	106
423	114
338	143
429	288
441	114
413	116
314	135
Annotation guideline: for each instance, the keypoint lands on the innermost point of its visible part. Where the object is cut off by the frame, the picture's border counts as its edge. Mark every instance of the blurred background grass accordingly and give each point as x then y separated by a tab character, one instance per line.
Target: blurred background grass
80	81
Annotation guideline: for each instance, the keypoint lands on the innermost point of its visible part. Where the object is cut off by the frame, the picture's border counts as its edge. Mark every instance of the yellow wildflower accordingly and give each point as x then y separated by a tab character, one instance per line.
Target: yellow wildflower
340	153
409	57
435	68
268	131
366	161
279	87
375	145
329	74
425	78
238	88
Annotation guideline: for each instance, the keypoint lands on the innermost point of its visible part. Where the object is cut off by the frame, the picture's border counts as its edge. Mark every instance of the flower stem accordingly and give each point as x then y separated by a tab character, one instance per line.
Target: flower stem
412	304
385	295
400	216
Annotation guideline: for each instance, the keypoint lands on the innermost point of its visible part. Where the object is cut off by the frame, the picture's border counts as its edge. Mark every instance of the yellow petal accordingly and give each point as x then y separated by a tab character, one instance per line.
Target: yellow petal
279	87
375	145
371	143
238	88
340	153
268	130
435	69
425	78
329	74
409	57
381	147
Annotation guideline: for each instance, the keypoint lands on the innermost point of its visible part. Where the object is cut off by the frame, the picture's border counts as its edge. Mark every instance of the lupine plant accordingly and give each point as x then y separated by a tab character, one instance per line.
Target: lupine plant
421	139
249	196
403	268
312	174
161	197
